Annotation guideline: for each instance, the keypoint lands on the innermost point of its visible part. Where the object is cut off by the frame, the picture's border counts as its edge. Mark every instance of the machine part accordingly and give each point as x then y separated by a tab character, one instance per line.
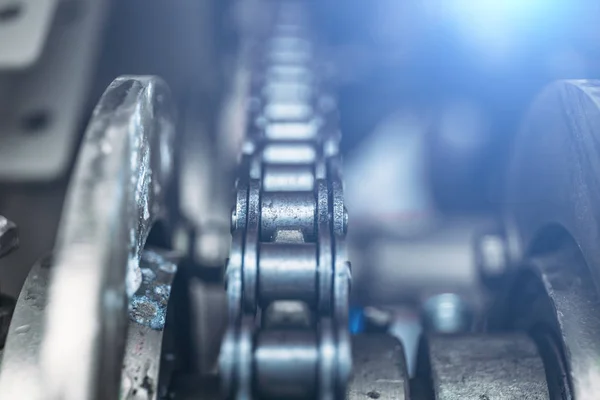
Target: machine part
325	262
288	211
116	195
9	236
24	27
491	255
402	249
144	339
554	298
553	227
553	180
386	178
36	212
286	364
20	370
446	313
209	316
286	314
7	307
147	318
205	179
406	325
35	123
379	369
288	274
250	253
288	227
477	367
288	177
9	241
211	244
288	271
389	270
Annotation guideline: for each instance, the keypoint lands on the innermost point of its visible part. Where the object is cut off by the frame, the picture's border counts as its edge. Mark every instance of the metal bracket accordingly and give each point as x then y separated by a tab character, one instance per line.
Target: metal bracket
24	26
41	106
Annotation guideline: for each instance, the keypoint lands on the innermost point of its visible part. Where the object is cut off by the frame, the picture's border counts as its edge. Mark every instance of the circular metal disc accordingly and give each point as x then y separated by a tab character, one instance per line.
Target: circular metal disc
116	194
554	174
554	196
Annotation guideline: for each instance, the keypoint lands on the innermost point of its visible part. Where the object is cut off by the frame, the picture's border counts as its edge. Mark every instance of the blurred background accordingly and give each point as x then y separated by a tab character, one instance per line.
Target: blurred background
430	94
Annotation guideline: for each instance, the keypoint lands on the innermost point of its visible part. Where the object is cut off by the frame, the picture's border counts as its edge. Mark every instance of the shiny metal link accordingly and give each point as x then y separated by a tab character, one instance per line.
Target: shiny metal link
288	271
297	73
292	130
286	364
284	178
288	277
289	153
288	210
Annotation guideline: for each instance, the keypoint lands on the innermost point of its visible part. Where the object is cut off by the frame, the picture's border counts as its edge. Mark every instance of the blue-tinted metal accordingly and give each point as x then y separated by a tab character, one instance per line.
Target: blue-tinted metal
356	320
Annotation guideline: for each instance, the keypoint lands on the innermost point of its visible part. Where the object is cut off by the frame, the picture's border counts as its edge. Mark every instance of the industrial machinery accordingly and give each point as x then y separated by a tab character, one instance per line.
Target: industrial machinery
229	265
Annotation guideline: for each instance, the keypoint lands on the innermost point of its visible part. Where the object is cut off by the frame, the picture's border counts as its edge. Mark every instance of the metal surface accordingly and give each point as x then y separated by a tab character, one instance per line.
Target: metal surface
250	259
20	367
33	121
9	236
36	212
446	313
288	272
287	211
554	225
286	364
288	178
289	153
285	314
379	369
506	367
325	276
391	269
288	279
19	377
209	318
288	227
147	318
205	176
7	307
116	195
552	177
24	27
555	300
491	255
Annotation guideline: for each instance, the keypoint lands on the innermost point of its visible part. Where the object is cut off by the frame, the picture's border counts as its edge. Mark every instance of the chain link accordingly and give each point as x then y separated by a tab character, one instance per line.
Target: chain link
288	278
